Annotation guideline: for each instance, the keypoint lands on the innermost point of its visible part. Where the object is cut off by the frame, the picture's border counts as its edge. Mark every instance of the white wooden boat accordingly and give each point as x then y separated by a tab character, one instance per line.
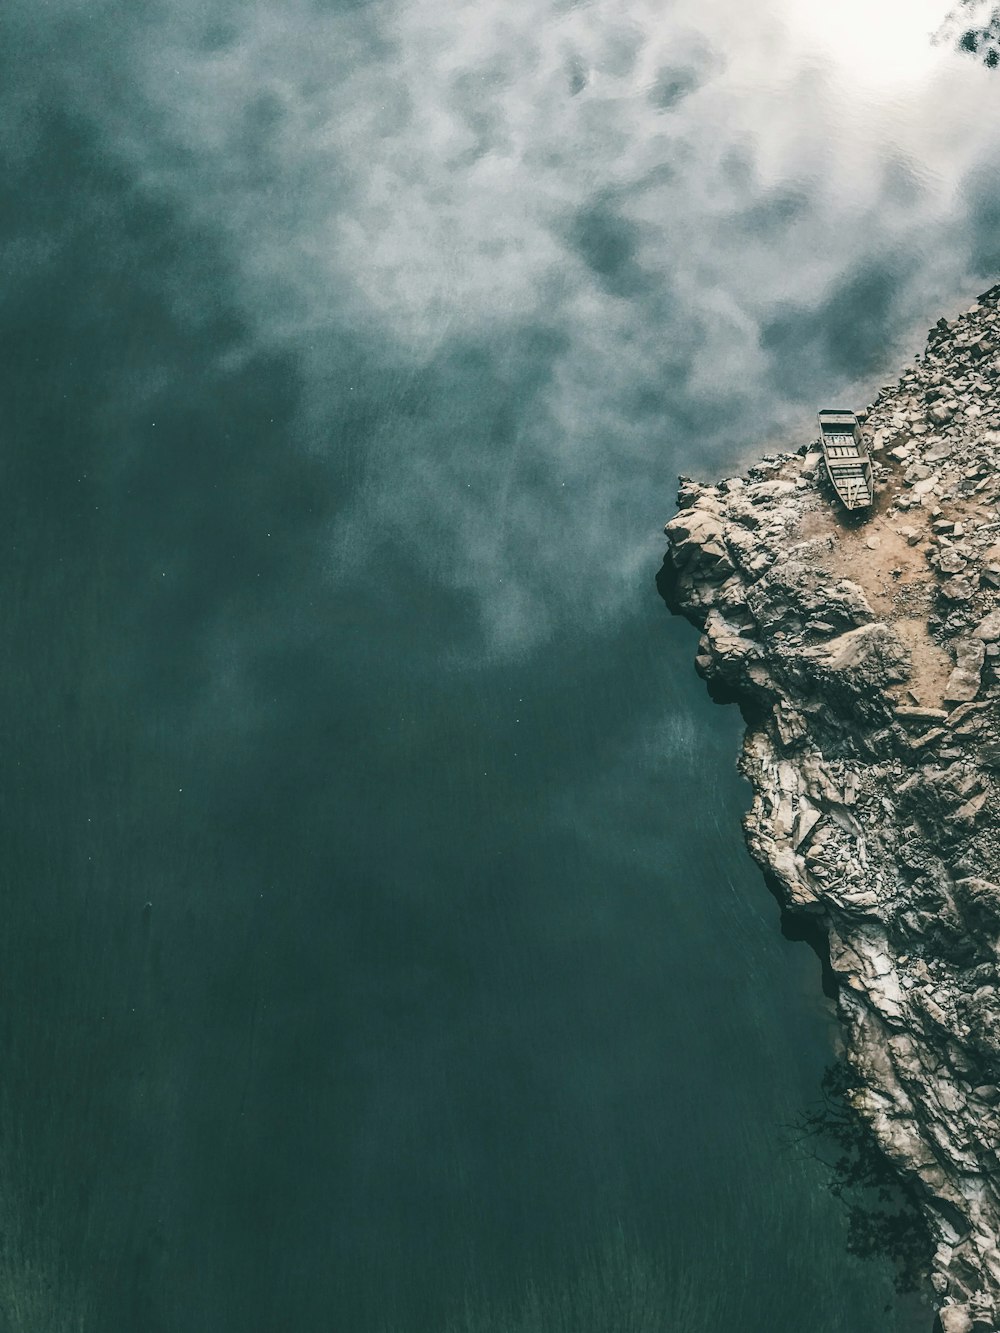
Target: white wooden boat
846	457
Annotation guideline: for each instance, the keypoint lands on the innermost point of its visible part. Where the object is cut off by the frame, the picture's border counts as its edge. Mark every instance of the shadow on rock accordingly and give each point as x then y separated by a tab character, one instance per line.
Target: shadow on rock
884	1217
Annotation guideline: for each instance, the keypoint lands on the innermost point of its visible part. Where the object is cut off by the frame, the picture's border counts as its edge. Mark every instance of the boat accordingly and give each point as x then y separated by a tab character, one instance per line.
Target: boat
846	457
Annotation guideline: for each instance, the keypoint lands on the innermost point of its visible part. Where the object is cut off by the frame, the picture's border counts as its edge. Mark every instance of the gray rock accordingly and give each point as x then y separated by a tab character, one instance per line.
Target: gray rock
964	681
958	589
980	899
865	658
951	561
916	713
988	628
941	413
955	1319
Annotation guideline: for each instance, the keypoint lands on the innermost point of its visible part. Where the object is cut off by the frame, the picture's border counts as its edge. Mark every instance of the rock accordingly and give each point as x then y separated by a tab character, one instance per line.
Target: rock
967	718
957	589
868	657
988	628
967	812
876	810
980	898
915	713
955	1319
927	739
727	650
693	531
951	561
963	683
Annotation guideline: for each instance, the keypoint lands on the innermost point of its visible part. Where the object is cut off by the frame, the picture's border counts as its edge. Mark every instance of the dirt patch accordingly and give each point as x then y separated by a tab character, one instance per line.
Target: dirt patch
885	554
875	554
931	664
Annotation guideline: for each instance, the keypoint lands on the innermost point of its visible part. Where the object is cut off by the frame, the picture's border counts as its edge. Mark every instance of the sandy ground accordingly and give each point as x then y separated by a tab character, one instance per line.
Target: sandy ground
874	553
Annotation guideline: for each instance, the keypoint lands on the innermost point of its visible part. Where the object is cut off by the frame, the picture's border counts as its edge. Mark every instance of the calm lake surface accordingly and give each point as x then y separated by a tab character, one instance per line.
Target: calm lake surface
379	952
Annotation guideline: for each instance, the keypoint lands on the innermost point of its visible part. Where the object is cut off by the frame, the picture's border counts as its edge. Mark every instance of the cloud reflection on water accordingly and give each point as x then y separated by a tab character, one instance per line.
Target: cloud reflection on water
360	364
600	243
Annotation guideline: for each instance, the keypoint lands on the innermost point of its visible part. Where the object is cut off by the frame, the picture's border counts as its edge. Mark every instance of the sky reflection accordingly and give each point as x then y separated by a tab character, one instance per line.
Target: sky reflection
354	349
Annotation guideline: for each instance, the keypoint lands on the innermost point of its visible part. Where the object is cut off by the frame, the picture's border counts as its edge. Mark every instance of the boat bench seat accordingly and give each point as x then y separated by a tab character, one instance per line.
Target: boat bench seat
846	457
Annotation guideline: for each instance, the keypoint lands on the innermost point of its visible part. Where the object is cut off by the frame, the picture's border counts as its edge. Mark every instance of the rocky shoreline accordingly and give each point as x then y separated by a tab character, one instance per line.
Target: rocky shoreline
865	654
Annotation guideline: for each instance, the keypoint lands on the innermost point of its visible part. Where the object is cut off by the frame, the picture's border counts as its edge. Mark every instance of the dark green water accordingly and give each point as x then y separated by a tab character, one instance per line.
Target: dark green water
379	953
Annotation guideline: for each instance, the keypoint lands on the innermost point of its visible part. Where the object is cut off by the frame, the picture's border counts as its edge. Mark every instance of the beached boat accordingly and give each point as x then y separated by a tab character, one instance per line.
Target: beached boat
846	457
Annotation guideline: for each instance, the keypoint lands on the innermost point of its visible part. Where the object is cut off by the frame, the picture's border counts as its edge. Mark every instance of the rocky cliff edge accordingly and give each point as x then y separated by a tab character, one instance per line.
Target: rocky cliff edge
866	656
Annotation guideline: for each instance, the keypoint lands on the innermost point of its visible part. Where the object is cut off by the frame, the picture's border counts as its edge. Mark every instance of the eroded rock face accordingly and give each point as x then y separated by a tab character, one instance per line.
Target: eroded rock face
868	654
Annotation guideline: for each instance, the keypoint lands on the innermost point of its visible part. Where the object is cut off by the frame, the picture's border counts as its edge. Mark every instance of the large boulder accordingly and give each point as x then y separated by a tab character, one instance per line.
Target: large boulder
793	592
860	661
697	542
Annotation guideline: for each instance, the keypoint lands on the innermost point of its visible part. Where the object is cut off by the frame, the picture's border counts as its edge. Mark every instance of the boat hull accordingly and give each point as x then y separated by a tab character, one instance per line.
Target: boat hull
845	456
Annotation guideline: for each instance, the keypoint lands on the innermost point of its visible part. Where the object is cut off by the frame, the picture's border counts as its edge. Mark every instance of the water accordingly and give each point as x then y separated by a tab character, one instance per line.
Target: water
379	950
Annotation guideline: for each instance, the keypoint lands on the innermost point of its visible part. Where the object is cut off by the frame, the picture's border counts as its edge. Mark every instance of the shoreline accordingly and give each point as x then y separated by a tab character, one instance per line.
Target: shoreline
864	654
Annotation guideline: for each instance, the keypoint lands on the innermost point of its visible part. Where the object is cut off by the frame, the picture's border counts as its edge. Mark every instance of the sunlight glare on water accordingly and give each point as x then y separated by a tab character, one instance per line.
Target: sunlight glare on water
886	45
